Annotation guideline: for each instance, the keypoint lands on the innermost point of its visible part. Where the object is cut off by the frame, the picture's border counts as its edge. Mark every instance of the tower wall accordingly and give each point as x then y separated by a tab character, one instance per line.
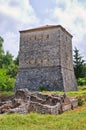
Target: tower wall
67	70
39	49
45	60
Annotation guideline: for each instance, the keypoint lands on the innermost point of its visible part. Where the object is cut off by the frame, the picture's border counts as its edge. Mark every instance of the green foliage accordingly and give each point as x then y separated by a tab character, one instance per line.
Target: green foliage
80	102
7	59
8	68
6	83
12	70
81	81
16	61
42	88
79	65
1	52
81	88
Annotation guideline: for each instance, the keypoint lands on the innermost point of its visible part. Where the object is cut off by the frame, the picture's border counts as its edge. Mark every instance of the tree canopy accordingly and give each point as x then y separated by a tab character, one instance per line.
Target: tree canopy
8	68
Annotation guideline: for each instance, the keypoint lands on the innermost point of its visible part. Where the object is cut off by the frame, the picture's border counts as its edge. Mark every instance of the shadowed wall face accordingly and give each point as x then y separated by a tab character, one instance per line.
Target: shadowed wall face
45	59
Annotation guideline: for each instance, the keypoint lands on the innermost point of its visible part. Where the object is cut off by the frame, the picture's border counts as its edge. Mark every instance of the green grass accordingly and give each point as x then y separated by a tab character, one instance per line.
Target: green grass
71	120
6	93
81	91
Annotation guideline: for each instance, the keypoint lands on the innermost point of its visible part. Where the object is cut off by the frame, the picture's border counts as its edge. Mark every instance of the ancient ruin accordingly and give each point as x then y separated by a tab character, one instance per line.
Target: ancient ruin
25	101
45	60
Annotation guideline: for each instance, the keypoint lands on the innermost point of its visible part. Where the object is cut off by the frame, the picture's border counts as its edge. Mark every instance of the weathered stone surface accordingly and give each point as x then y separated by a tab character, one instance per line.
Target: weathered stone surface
23	94
5	106
74	103
45	59
25	102
22	108
7	98
44	109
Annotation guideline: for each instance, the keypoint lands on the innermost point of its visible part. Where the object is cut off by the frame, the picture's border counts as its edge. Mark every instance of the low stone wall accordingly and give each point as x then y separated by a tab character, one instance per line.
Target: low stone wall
26	102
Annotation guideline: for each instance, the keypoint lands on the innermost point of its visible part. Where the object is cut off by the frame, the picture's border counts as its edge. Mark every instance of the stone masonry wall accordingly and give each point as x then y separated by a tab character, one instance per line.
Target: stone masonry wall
66	51
45	59
67	70
39	49
34	79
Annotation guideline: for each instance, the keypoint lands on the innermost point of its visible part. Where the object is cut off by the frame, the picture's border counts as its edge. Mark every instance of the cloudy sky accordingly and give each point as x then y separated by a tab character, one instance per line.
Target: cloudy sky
18	15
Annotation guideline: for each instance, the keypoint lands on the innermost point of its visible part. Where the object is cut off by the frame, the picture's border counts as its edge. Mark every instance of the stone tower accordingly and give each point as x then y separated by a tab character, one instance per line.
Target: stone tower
45	59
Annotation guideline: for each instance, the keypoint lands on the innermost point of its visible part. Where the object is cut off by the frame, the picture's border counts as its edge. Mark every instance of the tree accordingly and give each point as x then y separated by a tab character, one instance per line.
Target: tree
79	64
7	59
1	45
6	83
16	61
8	68
1	52
12	70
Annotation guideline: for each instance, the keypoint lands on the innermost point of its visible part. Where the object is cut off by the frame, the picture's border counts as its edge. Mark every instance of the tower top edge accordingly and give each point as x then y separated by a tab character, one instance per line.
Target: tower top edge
46	27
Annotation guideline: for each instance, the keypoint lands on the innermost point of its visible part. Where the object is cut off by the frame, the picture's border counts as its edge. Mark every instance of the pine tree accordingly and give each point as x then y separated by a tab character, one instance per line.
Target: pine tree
79	64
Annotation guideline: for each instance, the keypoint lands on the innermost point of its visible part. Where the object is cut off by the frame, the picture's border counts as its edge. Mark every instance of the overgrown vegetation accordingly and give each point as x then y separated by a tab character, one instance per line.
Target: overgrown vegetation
81	81
42	88
6	83
8	69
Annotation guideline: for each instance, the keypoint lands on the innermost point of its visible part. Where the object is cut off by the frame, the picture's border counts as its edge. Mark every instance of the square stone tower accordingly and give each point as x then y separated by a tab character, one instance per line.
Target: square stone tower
45	59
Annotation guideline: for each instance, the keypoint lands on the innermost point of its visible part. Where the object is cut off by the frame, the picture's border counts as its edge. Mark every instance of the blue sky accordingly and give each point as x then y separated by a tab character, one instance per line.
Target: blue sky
17	15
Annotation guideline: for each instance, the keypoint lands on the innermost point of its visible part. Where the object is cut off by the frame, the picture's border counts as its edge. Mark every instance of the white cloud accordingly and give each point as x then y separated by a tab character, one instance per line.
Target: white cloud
15	15
73	17
11	43
71	14
21	10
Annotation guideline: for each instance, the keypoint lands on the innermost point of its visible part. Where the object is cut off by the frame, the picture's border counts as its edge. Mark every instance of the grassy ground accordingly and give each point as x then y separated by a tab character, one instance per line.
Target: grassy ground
6	93
71	120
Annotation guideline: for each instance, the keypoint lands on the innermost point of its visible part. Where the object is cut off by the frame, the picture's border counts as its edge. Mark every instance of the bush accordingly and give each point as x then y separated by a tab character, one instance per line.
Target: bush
6	83
12	70
81	81
80	102
42	88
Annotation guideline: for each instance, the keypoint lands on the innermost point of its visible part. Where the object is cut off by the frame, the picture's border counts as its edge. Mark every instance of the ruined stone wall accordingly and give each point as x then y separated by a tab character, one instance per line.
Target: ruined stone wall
45	59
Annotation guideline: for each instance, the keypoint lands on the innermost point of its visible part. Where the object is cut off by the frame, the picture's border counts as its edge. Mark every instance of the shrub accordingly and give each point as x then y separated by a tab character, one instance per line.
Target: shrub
80	101
42	88
81	81
12	70
6	83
